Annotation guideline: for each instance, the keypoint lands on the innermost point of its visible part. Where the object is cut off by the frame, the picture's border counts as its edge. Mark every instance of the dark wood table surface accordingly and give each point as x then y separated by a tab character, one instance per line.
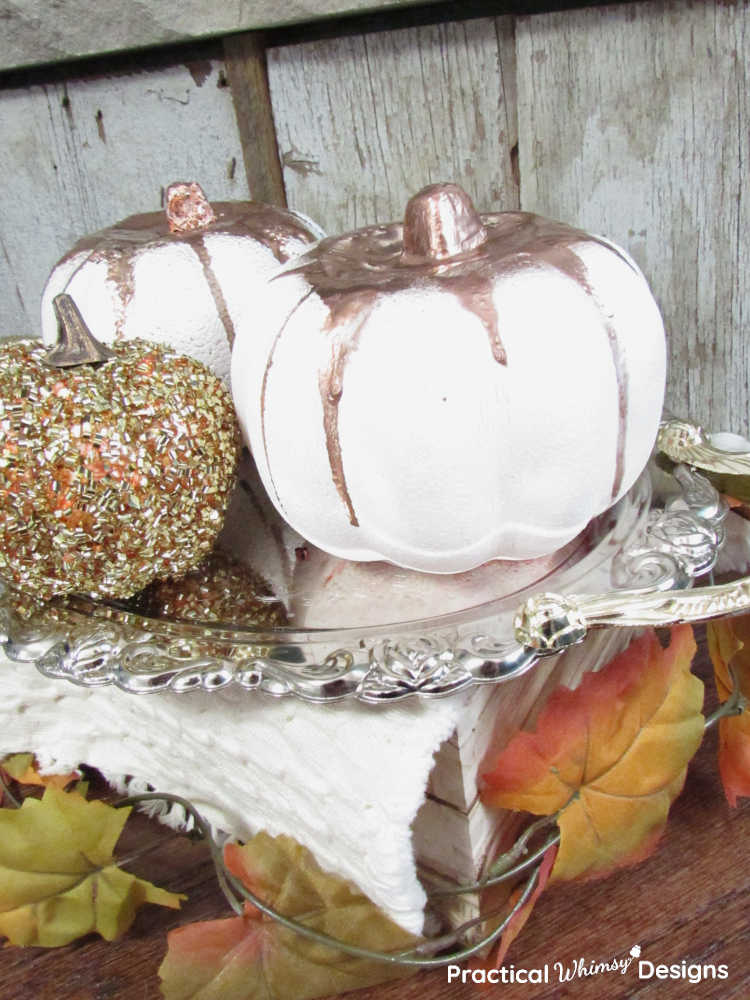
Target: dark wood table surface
689	901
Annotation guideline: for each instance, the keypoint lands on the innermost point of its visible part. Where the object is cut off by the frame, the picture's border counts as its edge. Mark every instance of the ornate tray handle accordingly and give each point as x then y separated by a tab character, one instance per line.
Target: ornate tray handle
688	443
548	623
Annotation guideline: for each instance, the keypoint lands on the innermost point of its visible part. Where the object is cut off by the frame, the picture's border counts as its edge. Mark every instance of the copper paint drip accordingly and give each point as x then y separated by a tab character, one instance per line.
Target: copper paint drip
346	330
121	272
443	243
198	245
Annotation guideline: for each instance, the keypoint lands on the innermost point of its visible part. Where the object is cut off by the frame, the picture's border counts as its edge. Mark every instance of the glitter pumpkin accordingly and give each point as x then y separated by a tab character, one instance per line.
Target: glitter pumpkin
111	474
219	590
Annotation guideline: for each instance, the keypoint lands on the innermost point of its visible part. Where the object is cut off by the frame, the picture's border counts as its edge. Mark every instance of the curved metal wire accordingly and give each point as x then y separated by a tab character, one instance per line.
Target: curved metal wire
232	887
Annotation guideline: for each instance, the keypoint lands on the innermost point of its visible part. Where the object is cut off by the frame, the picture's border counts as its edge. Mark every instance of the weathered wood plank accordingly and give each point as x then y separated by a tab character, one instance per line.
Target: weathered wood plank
635	122
365	121
245	57
37	32
80	154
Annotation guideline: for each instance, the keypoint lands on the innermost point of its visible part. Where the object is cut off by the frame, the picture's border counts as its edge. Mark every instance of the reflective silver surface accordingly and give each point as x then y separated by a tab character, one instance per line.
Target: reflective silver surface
685	442
650	552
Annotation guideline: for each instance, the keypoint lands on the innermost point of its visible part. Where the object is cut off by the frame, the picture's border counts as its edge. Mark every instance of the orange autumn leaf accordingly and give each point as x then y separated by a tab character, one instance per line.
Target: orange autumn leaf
729	646
252	957
607	759
733	502
518	921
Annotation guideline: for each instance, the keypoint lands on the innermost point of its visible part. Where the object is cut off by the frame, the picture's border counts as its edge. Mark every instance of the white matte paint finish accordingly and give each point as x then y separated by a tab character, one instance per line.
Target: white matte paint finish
172	302
450	458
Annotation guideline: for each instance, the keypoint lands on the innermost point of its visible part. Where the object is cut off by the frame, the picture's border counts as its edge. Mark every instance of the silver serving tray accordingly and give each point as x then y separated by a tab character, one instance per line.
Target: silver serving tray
633	566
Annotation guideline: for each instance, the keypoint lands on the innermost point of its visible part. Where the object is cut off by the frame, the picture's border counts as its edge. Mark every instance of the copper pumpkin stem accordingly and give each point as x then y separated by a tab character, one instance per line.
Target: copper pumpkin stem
76	345
187	207
440	222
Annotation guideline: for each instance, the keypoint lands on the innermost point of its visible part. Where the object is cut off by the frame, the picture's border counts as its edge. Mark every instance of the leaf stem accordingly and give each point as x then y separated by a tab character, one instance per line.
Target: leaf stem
490	880
735	704
504	862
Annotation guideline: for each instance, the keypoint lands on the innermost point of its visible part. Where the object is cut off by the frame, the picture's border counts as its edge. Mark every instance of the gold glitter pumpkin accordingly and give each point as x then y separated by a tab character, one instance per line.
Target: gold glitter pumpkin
219	590
112	474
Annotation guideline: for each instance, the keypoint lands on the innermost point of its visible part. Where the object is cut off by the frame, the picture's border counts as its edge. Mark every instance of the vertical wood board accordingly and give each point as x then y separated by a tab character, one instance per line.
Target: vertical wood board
245	58
81	154
635	123
363	122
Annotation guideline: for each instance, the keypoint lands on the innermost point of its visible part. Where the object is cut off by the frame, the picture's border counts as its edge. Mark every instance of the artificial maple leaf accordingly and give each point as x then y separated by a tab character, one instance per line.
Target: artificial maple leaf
58	877
729	647
22	768
736	488
733	502
607	759
255	958
518	920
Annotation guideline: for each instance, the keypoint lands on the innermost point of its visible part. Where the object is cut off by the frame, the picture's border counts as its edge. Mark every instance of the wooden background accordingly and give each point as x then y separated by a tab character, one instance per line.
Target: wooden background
631	120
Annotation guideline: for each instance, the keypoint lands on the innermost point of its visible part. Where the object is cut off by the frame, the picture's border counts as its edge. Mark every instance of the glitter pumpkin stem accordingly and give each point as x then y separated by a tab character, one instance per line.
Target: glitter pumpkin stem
76	344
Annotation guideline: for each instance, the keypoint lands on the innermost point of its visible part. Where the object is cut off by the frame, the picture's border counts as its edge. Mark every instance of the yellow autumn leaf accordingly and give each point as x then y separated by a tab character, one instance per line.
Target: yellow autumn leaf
608	758
252	957
22	768
59	879
729	648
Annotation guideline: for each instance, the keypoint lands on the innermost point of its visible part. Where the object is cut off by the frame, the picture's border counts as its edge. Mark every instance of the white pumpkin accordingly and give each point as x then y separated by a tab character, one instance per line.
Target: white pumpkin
184	277
453	390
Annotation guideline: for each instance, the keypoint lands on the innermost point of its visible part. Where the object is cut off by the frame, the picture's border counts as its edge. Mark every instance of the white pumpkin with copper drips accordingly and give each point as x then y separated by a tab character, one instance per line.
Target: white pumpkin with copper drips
457	389
186	277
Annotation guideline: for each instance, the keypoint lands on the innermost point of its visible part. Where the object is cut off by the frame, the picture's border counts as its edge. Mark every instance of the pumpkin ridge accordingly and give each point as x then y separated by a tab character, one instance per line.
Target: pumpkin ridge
570	264
264	389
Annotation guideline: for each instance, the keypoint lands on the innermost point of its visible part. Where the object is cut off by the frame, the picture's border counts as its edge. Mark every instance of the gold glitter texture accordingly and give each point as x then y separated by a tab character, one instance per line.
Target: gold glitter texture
111	475
221	589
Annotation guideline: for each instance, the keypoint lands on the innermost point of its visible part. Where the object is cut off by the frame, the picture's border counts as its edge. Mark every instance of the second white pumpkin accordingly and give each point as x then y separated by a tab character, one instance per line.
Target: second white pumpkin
185	277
